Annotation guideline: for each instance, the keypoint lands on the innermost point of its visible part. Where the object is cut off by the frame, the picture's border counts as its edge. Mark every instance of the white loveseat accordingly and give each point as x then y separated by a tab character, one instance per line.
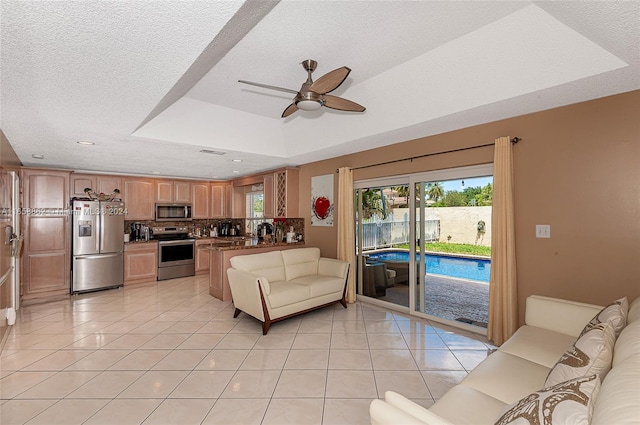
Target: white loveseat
274	286
516	373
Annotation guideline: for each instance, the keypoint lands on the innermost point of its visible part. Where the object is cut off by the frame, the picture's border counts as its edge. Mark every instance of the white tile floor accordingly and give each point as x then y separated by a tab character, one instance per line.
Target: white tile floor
168	353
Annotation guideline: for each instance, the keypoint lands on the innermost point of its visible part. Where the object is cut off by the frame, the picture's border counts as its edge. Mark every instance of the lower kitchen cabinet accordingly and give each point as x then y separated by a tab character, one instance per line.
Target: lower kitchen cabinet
46	275
140	262
202	256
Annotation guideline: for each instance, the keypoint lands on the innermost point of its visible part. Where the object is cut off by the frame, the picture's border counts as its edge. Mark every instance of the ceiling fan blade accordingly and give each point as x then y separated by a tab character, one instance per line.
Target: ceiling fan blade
266	86
290	110
330	81
341	104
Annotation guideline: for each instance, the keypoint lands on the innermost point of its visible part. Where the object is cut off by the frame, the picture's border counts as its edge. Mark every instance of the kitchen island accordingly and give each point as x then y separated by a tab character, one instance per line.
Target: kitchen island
221	250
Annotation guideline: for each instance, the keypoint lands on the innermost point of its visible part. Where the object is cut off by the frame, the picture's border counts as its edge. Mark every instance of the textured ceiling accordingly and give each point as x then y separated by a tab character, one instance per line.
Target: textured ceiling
153	83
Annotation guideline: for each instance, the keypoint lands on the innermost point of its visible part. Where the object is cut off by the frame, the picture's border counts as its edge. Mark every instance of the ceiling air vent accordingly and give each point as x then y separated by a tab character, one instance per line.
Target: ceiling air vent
213	152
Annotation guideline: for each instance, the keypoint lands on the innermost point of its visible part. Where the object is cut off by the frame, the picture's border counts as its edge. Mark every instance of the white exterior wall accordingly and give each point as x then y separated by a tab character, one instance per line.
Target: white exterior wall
461	223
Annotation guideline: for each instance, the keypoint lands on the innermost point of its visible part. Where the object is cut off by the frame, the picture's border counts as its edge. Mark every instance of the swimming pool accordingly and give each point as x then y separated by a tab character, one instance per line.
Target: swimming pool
444	265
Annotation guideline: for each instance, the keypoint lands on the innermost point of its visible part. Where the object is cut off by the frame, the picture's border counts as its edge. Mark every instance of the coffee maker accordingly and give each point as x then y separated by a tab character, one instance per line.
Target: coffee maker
225	228
264	229
139	232
136	231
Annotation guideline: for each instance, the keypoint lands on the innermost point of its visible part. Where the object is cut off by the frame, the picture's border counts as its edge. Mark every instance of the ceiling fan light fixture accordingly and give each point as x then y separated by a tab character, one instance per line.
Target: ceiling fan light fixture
309	105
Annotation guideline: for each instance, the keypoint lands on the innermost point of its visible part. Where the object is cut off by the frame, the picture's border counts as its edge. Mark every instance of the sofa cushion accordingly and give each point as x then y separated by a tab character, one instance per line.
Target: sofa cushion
479	408
627	344
634	311
301	262
567	403
564	316
538	345
619	401
267	264
591	353
506	377
285	293
415	410
321	285
616	313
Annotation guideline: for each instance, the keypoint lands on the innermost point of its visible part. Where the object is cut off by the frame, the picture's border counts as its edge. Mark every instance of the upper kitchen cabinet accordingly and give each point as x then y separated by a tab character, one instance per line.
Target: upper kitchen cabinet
98	183
170	191
220	200
79	182
46	189
200	200
281	193
182	191
107	184
138	198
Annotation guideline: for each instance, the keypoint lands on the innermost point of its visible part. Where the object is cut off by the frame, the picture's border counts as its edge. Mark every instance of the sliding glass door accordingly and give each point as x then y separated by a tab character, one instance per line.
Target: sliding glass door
424	243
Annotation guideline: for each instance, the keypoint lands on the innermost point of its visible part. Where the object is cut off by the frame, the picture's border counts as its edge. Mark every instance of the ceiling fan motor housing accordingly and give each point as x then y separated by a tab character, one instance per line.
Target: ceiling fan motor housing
309	101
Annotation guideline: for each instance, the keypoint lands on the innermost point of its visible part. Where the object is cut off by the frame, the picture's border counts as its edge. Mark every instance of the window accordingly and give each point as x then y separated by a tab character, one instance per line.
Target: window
254	213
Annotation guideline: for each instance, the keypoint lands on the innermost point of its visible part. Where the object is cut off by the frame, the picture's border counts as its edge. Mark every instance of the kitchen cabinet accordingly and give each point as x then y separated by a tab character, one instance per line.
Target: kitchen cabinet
269	197
46	249
202	256
200	200
170	191
220	200
107	184
138	198
281	193
163	191
98	183
182	191
81	181
140	262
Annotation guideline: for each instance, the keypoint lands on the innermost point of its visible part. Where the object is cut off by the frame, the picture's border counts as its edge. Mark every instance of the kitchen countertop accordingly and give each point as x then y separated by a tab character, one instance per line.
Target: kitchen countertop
140	242
228	244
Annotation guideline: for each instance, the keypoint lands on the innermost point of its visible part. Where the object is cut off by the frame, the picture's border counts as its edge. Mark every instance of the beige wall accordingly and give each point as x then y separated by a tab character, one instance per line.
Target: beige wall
577	169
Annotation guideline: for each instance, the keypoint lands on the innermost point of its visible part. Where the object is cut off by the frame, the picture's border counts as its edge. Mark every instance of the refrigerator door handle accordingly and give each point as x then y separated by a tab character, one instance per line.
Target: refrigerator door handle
91	257
100	222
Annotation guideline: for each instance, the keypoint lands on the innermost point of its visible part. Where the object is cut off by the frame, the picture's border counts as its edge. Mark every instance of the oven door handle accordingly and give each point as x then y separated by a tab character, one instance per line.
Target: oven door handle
178	242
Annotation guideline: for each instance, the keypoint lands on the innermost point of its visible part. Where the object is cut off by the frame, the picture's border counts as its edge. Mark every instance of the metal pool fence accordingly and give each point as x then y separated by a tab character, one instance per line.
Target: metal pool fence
381	234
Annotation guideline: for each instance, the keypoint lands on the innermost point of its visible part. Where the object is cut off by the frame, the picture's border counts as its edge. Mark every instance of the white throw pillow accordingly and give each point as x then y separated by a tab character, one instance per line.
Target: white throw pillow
591	353
616	313
568	403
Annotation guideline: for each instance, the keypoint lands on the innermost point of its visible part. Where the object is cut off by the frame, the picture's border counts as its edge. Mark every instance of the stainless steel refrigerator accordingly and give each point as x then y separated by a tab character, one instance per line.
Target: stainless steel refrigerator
97	245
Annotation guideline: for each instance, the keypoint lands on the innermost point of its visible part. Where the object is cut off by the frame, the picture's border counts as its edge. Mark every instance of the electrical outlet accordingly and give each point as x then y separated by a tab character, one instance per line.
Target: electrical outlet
543	231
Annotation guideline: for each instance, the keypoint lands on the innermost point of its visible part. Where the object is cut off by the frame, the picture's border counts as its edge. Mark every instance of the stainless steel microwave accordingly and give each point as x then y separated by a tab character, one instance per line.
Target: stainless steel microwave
173	212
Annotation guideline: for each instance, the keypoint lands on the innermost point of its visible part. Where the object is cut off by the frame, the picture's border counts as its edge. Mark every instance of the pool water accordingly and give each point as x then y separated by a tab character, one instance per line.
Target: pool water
461	268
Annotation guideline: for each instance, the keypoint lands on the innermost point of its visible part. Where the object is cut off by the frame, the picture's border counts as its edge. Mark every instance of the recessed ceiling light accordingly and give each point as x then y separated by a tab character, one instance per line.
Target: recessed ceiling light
155	172
37	156
236	160
235	171
84	142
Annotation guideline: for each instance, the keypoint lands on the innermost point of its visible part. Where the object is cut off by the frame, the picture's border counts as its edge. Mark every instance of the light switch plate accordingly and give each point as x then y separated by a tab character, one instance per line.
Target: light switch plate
543	231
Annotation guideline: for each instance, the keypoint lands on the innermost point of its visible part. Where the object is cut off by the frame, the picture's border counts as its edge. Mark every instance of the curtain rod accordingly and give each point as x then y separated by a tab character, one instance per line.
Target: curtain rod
513	141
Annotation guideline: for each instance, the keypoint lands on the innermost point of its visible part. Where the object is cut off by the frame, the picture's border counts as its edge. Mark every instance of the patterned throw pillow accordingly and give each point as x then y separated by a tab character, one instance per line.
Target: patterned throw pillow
591	353
568	403
616	313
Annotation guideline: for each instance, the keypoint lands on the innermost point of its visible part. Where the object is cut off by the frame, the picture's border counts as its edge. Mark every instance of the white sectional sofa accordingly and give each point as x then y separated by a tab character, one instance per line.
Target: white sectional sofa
560	338
274	286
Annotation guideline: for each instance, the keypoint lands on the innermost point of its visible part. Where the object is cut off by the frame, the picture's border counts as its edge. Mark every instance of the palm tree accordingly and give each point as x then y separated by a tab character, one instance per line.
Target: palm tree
372	203
435	191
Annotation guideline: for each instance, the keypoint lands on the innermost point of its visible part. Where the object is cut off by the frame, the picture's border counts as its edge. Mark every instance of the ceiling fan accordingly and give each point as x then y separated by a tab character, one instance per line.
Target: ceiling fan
313	95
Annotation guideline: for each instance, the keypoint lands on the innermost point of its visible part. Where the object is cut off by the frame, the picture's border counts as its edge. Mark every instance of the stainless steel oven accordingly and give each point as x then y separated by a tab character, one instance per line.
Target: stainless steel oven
176	252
